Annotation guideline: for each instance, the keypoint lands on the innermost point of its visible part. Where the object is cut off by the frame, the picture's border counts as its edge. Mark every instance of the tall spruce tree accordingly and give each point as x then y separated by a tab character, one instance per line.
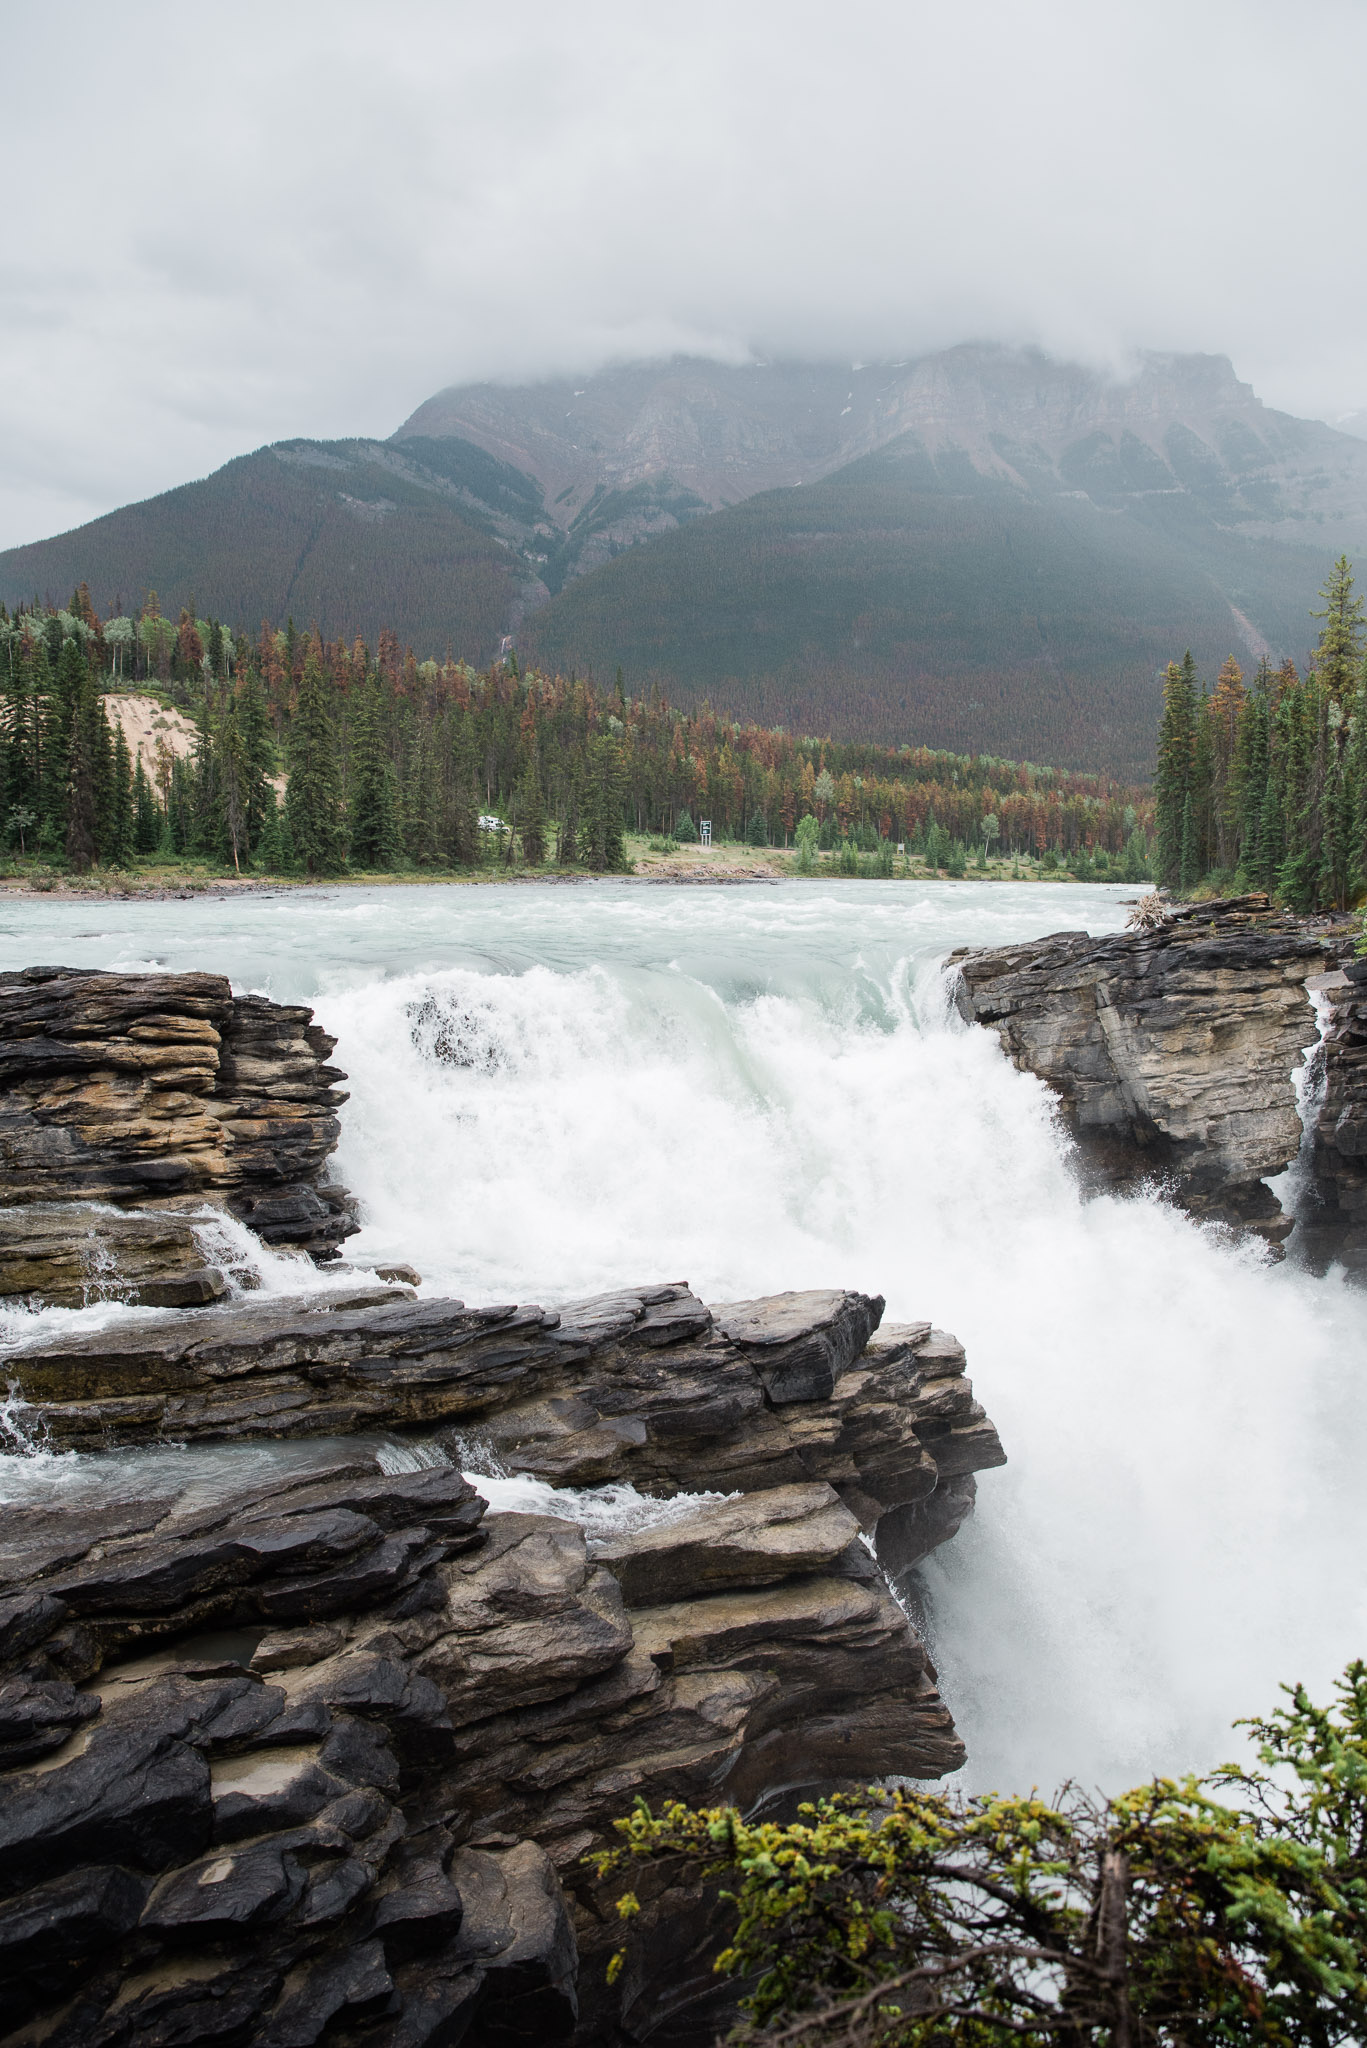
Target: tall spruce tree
147	820
376	841
1338	656
121	841
604	848
313	805
1172	782
531	811
83	763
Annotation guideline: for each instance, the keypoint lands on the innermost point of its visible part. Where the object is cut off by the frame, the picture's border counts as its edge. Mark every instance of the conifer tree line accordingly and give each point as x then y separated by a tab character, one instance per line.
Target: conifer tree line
312	756
1264	785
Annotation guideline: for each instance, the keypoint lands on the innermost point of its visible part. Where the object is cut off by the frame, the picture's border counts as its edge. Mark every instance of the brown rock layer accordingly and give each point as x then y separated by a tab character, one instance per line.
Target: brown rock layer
148	1089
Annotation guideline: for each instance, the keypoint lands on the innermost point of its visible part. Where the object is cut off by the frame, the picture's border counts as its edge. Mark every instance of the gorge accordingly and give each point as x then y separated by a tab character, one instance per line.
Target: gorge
550	1095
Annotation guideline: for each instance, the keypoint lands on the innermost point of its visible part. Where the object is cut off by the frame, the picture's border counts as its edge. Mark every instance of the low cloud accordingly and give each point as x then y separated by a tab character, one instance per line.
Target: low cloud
241	224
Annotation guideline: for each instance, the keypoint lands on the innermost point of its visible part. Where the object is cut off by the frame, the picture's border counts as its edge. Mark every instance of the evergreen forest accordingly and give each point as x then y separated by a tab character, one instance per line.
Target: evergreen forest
1263	785
313	758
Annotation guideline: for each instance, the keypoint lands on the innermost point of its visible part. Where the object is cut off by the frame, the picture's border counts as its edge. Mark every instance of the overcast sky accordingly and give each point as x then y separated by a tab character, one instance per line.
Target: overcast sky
232	222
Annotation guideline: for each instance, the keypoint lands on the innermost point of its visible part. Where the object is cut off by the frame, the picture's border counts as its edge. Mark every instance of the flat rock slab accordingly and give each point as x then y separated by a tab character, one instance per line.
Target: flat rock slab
753	1541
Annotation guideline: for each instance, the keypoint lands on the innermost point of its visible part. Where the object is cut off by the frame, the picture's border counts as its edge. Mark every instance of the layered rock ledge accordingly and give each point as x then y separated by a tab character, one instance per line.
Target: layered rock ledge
313	1746
152	1092
1174	1054
322	1757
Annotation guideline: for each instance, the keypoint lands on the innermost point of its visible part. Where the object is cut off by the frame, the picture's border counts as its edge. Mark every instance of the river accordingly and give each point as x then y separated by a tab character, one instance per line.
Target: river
556	1089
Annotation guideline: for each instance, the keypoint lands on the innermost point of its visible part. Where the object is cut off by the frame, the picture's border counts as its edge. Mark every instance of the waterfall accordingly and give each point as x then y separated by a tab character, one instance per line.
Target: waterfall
555	1091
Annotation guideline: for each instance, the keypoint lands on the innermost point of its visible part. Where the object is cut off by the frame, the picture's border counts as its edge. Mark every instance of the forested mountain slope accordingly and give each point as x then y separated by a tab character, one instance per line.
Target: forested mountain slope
912	595
350	535
980	549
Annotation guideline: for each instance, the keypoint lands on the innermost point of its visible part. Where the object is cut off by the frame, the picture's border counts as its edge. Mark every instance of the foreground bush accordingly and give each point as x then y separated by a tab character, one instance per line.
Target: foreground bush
1226	1910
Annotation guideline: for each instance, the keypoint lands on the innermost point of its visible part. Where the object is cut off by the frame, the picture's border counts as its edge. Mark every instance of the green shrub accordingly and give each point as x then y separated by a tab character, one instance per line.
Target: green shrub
1225	1912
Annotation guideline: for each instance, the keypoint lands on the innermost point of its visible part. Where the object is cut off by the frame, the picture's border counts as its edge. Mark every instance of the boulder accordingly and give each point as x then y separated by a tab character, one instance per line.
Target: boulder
752	1541
73	1254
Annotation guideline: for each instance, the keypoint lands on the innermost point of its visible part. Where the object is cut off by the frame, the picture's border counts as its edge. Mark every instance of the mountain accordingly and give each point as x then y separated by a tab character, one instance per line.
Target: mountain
355	535
980	549
983	549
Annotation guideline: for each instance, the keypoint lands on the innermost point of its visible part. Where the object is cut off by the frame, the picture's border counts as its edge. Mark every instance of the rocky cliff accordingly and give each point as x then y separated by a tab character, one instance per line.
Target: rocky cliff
325	1756
1175	1051
1332	1222
157	1092
317	1749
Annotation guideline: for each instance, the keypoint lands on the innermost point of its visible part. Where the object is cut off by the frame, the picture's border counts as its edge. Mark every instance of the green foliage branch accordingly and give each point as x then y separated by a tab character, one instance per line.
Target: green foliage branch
1230	1910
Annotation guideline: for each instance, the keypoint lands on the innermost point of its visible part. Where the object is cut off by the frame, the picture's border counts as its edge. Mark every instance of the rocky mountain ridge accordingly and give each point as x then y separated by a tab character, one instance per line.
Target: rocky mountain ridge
982	549
722	432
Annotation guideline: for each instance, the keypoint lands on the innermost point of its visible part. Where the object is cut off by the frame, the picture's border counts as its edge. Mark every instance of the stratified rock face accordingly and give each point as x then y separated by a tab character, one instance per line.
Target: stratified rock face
1333	1219
642	1386
148	1089
1173	1051
327	1760
73	1254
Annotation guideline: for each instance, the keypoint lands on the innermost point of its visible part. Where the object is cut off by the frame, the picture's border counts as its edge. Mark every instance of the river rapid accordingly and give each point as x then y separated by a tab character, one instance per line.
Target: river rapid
557	1089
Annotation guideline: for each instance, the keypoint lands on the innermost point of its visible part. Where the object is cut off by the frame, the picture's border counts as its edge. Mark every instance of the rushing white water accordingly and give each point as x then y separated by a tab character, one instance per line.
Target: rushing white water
557	1089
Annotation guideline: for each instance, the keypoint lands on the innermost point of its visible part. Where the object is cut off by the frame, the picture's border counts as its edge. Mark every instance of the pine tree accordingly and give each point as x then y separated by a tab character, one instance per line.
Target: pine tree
147	820
464	840
82	827
1250	780
1338	656
313	804
1356	790
121	841
1298	871
532	815
1172	782
376	841
604	845
269	852
258	757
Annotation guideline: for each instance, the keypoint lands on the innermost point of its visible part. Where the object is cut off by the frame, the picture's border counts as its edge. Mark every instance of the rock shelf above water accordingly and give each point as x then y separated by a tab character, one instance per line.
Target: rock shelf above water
327	1759
319	1754
1174	1052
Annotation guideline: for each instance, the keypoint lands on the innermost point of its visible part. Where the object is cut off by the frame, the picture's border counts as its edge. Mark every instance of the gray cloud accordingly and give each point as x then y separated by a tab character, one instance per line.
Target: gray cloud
230	224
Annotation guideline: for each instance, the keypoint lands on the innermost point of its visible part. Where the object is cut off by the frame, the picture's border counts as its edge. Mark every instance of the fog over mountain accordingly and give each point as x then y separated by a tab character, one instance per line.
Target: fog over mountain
266	222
